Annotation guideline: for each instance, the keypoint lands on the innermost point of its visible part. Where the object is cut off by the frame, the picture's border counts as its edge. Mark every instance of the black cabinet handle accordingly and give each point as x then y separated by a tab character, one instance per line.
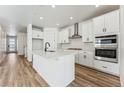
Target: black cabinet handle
104	66
105	29
85	56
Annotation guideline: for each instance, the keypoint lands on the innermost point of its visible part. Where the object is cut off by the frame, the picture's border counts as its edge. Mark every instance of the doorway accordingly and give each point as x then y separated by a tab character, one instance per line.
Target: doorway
11	44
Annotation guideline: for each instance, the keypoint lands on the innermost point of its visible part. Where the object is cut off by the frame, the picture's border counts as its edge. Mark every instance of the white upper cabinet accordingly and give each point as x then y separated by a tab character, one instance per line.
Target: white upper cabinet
80	29
71	30
98	25
112	22
50	35
37	34
87	31
64	36
107	24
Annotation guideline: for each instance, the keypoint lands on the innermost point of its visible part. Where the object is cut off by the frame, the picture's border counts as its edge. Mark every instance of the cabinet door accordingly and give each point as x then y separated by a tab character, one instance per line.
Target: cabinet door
40	35
77	58
85	32
60	37
80	29
87	28
90	31
80	57
66	36
71	30
112	22
98	25
86	58
34	34
49	36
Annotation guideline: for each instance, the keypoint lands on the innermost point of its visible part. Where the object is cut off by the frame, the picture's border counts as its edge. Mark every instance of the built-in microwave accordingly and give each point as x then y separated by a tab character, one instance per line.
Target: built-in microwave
106	48
106	41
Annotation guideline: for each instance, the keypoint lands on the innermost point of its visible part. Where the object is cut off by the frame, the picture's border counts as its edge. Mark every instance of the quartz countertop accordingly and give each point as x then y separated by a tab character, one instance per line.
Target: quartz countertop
53	55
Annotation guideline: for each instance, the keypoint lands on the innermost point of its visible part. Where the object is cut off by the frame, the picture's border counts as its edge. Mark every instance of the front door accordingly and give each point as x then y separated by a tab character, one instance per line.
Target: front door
11	44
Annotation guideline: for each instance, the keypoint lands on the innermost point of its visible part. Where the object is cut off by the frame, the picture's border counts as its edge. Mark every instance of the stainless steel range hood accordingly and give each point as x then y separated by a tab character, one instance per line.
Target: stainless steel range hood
76	34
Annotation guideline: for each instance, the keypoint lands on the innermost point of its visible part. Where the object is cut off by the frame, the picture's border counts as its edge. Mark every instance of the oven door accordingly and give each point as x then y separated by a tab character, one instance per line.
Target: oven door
109	55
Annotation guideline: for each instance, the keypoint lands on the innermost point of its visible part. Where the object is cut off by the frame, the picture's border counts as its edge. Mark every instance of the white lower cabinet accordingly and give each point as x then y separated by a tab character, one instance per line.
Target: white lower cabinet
112	68
86	58
77	57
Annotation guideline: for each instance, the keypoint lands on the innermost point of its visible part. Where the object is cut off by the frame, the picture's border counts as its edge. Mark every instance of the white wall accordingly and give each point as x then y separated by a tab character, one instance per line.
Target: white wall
21	43
29	42
2	43
122	45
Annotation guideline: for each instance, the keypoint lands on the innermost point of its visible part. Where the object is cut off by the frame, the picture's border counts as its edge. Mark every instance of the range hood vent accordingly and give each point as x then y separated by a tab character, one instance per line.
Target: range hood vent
76	34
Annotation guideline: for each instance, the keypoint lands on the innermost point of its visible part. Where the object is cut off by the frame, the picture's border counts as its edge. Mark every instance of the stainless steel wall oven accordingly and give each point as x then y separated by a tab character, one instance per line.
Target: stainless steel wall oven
106	48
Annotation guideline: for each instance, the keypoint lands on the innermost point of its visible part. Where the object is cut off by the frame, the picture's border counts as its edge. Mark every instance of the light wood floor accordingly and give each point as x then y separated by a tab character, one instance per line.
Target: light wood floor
16	71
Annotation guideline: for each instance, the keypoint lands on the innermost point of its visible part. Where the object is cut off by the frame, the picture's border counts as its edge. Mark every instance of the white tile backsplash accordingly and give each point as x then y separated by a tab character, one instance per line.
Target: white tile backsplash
77	43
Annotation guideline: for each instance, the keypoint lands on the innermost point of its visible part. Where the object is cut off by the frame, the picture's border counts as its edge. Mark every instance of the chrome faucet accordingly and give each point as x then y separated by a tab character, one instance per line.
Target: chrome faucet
46	46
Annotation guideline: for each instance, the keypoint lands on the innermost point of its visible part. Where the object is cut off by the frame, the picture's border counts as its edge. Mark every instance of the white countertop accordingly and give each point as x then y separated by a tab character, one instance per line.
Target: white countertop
53	55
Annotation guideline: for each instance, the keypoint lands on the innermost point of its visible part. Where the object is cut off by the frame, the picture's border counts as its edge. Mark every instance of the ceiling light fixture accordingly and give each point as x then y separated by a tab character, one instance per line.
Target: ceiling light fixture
41	17
71	17
96	5
53	6
57	24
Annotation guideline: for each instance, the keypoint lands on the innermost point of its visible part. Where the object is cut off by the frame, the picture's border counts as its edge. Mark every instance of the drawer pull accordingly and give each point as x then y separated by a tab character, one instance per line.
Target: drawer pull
85	56
104	67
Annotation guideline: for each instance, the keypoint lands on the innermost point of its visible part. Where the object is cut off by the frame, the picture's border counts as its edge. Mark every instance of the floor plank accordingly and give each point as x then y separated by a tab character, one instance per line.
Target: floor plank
16	71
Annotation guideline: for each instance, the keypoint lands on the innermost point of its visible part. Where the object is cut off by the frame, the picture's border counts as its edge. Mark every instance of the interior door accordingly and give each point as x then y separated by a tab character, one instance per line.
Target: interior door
11	44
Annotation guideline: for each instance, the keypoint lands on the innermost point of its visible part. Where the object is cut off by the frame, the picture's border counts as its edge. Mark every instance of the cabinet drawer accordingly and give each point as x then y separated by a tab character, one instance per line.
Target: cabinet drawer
111	68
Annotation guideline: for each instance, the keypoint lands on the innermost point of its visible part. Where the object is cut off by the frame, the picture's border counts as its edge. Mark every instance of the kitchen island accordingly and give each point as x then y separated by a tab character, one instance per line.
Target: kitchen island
56	68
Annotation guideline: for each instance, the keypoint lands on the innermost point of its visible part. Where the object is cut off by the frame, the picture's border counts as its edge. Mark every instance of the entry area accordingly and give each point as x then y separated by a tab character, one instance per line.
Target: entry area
11	44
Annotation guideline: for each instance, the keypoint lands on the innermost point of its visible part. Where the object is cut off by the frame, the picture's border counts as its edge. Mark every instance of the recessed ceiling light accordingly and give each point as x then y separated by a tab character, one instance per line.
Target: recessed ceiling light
53	6
71	17
96	5
57	24
41	17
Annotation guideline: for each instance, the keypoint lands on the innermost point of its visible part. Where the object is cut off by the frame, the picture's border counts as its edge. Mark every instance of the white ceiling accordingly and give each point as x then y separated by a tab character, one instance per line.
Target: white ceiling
24	14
